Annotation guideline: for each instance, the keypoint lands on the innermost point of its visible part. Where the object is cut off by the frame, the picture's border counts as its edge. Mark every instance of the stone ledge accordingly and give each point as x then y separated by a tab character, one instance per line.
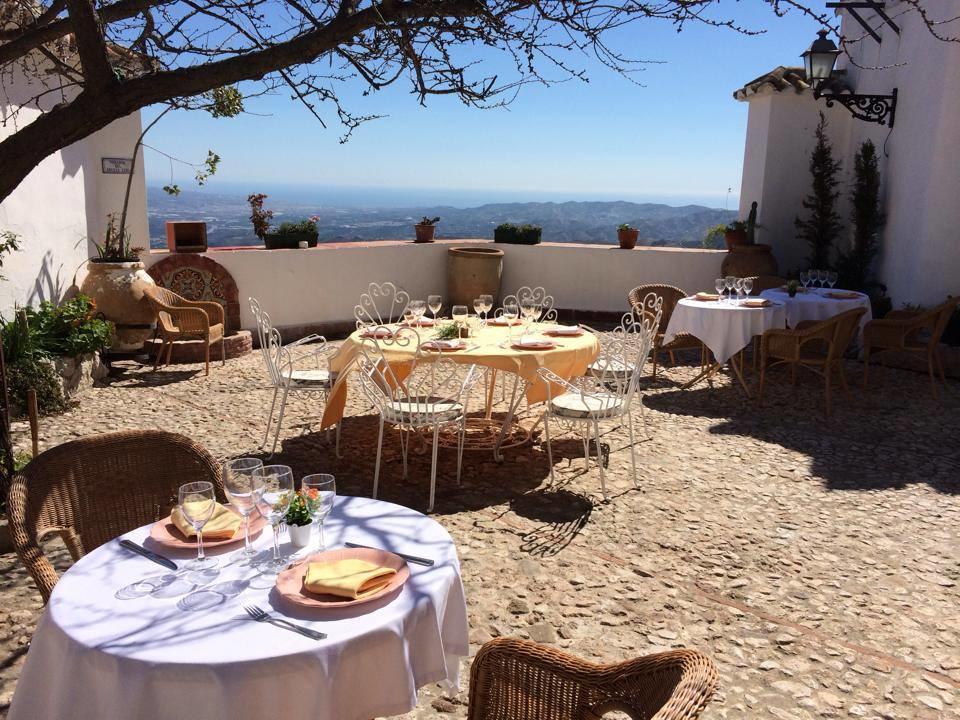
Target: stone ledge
192	351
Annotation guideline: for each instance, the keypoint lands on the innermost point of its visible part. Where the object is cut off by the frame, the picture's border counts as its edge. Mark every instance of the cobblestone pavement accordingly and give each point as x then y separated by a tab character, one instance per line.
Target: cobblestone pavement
817	561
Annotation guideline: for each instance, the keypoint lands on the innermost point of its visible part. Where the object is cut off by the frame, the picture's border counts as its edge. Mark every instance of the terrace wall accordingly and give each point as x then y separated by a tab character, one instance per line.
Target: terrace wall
316	289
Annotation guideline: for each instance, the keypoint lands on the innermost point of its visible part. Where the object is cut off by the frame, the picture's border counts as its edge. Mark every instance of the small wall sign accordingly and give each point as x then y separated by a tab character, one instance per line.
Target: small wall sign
116	166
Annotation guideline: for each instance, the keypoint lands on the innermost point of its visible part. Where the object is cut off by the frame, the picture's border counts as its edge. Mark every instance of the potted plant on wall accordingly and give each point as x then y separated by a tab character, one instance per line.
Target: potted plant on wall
517	234
425	229
735	234
288	235
627	236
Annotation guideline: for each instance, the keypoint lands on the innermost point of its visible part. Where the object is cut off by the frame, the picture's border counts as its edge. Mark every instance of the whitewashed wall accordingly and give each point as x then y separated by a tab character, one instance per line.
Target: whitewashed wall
322	285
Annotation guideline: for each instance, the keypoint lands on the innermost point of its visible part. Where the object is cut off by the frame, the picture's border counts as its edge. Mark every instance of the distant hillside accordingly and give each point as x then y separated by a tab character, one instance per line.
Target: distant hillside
585	222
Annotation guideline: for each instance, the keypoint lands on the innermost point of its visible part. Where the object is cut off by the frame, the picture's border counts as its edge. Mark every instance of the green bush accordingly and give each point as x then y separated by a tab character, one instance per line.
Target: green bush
517	234
67	330
39	374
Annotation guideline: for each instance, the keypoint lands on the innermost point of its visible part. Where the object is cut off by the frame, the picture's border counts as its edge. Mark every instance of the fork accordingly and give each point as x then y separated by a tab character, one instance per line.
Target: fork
261	615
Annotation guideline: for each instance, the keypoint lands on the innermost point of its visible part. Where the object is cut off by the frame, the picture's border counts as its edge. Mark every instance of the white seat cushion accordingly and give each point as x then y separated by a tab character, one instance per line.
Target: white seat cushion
574	405
614	369
320	378
421	411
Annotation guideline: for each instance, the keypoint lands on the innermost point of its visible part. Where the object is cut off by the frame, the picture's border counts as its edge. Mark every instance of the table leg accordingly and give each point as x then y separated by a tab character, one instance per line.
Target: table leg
704	374
490	389
739	375
515	401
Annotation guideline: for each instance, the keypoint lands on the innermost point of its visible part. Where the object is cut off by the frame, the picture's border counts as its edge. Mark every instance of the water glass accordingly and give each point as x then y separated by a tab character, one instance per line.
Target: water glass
197	504
243	487
730	281
478	306
719	284
277	481
822	277
419	309
529	309
747	286
459	314
487	305
319	491
804	279
738	286
434	302
832	279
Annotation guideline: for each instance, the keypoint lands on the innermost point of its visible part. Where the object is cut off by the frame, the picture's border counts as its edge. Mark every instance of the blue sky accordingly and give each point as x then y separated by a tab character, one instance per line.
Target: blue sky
680	136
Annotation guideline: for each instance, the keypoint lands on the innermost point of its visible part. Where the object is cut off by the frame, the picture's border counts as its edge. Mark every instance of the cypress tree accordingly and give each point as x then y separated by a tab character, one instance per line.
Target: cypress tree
822	226
855	265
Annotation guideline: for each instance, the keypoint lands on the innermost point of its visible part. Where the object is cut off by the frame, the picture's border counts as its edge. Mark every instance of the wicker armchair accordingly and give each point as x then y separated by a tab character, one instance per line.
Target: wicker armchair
91	490
766	282
909	331
670	297
182	319
817	346
520	680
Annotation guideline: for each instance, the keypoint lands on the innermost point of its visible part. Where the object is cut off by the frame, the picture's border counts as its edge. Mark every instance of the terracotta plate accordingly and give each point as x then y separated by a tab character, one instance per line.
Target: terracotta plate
290	581
437	347
540	345
379	333
497	322
165	533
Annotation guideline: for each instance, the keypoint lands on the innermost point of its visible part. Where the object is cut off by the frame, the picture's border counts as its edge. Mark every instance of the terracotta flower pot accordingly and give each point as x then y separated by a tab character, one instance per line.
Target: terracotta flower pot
472	272
733	238
425	233
627	238
749	261
117	288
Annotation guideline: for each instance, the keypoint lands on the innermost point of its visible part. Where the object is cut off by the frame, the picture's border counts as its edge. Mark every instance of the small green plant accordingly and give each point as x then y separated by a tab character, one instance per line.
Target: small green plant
50	331
40	375
792	287
448	331
116	245
298	513
300	227
517	234
713	239
737	226
624	226
428	221
9	242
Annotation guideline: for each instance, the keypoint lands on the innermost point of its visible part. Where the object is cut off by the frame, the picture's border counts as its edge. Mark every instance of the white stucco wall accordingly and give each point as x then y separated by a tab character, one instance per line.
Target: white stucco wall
61	204
322	285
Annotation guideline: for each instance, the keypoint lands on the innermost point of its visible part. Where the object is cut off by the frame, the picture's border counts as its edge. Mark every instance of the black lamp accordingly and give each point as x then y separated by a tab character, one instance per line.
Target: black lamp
818	63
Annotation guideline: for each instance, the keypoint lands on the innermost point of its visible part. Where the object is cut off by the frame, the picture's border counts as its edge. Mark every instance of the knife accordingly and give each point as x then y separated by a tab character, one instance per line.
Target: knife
159	559
409	558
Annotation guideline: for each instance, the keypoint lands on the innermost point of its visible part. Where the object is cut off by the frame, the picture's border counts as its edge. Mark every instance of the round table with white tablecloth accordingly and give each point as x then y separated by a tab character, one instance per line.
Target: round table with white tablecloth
819	304
99	656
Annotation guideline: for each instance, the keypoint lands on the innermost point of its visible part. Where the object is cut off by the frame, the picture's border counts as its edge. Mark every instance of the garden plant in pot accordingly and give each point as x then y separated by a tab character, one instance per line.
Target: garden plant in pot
115	281
426	229
299	521
746	257
288	235
627	236
517	234
735	234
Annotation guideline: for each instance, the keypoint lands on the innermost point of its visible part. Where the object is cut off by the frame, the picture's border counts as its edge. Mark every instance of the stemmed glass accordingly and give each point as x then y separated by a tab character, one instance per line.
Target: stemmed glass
804	279
320	490
528	308
510	313
243	487
478	307
434	302
747	286
832	279
419	309
197	504
459	314
738	286
822	277
273	504
719	285
487	306
730	281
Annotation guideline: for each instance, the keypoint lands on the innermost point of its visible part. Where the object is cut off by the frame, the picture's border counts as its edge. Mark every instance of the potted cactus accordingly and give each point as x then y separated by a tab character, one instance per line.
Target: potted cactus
627	236
426	229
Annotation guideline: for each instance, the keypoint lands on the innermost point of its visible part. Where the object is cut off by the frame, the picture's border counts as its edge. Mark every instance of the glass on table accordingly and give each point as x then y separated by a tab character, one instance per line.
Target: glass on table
747	286
277	481
729	282
197	503
320	492
419	309
832	279
478	306
738	287
719	284
459	314
822	277
529	309
242	486
804	278
487	305
434	302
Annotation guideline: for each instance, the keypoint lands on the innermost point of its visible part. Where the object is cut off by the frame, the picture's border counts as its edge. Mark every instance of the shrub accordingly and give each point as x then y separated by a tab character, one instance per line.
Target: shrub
517	234
39	374
66	330
301	227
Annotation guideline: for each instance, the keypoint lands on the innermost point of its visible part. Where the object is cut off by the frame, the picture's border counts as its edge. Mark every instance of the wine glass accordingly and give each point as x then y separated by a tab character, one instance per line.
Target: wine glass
320	490
822	277
487	305
804	279
528	308
242	487
274	500
434	302
832	279
738	287
510	313
478	306
459	314
419	309
719	284
197	505
747	286
409	316
729	281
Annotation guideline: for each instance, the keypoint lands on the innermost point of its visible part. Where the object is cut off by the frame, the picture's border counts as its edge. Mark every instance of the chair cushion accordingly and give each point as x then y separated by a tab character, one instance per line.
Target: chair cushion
574	405
320	378
614	368
422	410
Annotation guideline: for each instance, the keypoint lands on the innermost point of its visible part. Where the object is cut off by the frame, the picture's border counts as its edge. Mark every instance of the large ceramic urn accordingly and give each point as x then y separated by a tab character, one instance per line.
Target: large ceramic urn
472	272
749	261
117	288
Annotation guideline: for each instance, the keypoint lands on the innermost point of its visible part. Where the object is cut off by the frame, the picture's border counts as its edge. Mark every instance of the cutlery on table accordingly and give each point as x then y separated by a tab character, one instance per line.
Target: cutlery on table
149	555
261	615
409	558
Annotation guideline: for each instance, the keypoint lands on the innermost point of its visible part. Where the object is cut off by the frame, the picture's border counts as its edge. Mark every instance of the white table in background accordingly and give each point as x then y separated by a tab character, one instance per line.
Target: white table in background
97	657
815	305
723	326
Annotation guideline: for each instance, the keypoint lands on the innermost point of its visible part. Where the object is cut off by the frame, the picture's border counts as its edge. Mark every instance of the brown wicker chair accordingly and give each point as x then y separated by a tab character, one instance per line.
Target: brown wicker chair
766	282
903	331
91	490
519	680
817	346
182	319
671	296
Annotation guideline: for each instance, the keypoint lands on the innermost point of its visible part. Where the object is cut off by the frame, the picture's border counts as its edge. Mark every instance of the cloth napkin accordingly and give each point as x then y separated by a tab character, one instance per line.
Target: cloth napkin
349	578
842	295
705	297
563	330
442	344
756	303
223	525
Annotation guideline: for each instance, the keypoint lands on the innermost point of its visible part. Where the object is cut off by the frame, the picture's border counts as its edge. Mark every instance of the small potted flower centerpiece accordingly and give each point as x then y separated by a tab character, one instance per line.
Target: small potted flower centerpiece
288	235
426	229
792	287
299	521
627	236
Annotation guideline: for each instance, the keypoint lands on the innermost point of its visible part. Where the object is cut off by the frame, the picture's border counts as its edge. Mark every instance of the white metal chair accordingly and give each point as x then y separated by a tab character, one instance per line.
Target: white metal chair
382	304
606	392
285	376
432	396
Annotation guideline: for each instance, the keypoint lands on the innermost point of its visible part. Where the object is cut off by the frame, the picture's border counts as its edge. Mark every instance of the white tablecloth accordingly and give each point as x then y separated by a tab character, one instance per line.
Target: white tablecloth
814	305
726	328
98	657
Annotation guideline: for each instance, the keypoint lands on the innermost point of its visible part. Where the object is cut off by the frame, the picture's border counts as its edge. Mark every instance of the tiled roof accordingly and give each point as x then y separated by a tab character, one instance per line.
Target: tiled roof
783	79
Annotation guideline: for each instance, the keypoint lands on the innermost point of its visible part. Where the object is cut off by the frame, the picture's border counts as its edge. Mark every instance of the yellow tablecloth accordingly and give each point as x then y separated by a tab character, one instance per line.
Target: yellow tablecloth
569	359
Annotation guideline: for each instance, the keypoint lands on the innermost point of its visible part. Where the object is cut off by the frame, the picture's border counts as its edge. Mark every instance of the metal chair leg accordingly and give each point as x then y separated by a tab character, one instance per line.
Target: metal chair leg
603	482
633	450
546	437
273	405
433	466
376	471
283	407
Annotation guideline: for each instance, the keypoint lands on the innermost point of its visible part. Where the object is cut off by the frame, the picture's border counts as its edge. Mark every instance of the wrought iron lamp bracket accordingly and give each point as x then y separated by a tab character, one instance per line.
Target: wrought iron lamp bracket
871	108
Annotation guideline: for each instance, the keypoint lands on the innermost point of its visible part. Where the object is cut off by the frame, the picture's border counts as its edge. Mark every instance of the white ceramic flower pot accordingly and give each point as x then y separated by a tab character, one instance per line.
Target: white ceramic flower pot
299	535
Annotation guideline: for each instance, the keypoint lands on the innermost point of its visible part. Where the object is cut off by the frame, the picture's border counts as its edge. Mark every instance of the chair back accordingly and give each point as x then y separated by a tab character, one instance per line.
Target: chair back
382	304
514	679
271	344
669	296
624	352
537	295
943	312
164	303
845	329
93	489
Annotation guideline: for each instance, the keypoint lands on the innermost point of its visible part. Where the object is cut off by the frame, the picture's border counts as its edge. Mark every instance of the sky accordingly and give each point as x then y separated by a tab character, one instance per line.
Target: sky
678	137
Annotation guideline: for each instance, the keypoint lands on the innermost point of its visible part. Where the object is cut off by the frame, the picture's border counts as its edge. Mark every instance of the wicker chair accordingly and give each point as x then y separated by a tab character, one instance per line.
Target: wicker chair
182	319
817	346
91	490
766	282
670	297
903	331
520	680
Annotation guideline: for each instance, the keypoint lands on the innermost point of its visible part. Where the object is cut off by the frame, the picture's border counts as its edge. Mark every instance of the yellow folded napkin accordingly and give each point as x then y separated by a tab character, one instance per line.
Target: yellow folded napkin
350	578
705	297
223	525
